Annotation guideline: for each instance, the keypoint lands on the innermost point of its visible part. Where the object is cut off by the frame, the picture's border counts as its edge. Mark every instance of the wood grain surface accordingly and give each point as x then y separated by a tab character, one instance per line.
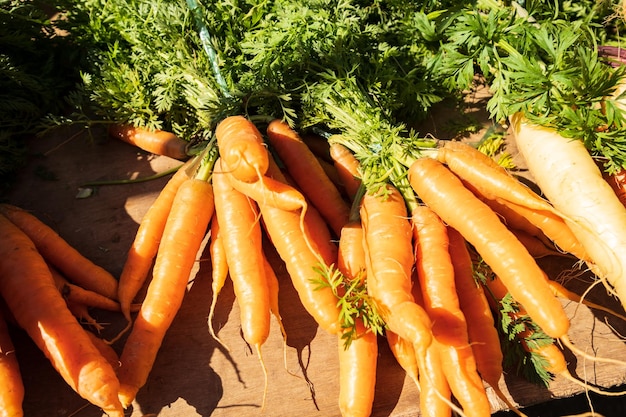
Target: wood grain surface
193	374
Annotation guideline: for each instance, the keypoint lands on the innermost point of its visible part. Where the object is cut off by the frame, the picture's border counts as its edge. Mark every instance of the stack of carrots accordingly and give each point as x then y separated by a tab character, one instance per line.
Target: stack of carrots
428	273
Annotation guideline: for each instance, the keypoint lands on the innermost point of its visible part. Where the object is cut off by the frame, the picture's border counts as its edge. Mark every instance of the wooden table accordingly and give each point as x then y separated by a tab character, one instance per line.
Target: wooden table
193	374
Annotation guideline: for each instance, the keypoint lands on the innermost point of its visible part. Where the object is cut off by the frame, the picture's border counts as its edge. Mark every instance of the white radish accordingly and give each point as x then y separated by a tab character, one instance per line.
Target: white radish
570	179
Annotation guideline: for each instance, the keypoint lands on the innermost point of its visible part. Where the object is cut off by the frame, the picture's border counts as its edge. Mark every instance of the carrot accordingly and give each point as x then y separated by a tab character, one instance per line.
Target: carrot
435	273
158	142
560	291
61	254
535	246
241	148
274	287
242	240
11	383
357	360
347	168
293	242
105	349
145	245
28	289
445	194
271	191
387	236
404	353
77	294
219	272
357	373
572	182
318	145
184	232
309	174
481	327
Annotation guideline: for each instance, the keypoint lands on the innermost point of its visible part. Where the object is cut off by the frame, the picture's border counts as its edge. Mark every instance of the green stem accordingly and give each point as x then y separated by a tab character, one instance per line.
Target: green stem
129	181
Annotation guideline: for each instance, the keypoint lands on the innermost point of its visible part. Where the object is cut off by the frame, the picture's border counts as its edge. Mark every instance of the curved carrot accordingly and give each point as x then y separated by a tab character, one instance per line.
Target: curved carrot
61	254
293	243
219	272
184	232
347	168
241	148
11	383
307	172
242	240
445	194
270	190
146	242
435	273
388	245
28	289
158	142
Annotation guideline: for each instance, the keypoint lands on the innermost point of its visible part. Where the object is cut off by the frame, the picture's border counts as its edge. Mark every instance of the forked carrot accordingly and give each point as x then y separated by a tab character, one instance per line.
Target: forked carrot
388	245
184	232
57	251
308	174
145	245
445	194
11	383
241	237
404	353
28	289
241	148
347	167
435	273
158	142
270	190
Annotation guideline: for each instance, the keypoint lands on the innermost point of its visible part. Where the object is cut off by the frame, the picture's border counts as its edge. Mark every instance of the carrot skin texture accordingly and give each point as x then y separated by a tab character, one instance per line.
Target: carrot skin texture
241	148
77	294
441	190
11	383
158	142
357	362
306	170
61	254
481	327
347	168
242	240
145	245
27	286
388	244
184	232
435	273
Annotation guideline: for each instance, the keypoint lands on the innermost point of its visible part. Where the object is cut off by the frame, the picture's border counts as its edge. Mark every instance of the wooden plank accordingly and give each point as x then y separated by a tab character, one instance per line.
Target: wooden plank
193	374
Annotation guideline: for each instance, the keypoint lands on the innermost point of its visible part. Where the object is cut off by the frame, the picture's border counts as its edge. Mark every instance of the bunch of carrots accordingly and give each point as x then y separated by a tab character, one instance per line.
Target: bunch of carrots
428	271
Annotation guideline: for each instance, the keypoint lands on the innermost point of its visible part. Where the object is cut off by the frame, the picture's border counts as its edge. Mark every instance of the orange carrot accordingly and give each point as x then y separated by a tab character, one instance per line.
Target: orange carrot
269	190
274	288
357	360
184	232
535	246
241	148
11	383
293	243
308	174
158	142
61	254
347	168
441	190
489	178
77	294
28	289
105	349
435	274
318	145
145	245
242	240
219	272
387	237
